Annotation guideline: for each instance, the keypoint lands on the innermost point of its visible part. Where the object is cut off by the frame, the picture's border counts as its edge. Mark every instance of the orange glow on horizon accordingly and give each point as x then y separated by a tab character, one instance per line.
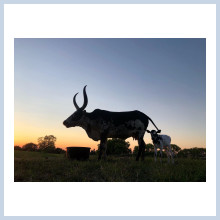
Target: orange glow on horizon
84	141
29	131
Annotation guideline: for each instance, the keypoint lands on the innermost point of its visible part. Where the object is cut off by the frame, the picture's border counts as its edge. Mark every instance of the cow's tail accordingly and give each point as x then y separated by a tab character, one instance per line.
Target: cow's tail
153	124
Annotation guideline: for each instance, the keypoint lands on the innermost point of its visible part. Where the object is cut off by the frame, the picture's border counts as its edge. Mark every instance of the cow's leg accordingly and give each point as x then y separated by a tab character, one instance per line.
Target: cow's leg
143	148
139	152
105	149
102	148
171	153
168	154
155	153
161	151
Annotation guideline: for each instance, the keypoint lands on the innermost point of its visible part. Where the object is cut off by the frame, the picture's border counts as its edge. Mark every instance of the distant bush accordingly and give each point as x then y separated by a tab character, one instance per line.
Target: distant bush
59	151
149	150
195	153
93	152
175	149
29	147
52	150
17	148
116	146
48	149
47	143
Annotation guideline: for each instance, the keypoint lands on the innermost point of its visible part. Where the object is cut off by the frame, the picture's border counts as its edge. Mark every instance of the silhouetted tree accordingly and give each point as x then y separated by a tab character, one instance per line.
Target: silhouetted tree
59	150
184	153
93	152
175	149
149	147
149	150
194	153
17	148
135	150
29	147
47	143
116	146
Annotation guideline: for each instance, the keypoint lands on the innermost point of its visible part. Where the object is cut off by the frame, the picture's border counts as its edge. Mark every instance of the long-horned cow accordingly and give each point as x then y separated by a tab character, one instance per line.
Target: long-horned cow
102	124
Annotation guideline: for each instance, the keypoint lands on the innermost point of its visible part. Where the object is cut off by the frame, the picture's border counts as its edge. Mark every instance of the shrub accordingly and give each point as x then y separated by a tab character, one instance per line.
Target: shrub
29	147
93	152
194	153
17	148
59	150
116	146
47	143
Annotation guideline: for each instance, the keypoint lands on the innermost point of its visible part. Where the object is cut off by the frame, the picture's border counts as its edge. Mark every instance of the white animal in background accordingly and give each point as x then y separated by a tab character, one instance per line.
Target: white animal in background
161	141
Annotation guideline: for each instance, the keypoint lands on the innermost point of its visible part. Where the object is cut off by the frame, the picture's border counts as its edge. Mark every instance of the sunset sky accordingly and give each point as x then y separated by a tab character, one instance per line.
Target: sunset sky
164	78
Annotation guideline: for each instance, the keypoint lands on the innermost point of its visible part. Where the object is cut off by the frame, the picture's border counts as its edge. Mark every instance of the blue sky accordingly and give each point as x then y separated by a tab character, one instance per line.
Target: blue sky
164	78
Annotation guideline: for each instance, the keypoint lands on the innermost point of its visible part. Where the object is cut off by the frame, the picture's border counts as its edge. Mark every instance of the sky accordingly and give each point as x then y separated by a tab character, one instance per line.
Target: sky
163	78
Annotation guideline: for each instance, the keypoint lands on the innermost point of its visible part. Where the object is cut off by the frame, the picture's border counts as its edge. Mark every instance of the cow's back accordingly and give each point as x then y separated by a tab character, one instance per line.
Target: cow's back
119	118
166	139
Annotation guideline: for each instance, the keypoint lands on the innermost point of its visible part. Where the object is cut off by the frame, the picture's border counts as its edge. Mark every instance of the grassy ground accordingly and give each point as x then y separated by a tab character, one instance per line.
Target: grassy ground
45	167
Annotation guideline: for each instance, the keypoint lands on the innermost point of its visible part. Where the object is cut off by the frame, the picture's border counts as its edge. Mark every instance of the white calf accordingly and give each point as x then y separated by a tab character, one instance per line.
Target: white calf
161	141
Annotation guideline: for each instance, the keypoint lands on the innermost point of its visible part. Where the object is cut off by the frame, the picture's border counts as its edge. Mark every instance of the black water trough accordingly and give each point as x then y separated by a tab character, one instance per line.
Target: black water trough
78	153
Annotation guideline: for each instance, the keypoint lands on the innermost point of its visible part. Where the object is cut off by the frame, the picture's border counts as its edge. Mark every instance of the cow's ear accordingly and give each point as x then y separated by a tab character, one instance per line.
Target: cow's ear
158	131
148	131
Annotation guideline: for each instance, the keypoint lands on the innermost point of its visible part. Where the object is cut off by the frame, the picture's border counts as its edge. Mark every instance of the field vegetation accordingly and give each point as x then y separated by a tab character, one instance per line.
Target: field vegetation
43	162
49	167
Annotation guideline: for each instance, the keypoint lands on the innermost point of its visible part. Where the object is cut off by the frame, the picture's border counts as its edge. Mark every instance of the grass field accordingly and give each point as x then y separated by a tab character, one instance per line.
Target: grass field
47	167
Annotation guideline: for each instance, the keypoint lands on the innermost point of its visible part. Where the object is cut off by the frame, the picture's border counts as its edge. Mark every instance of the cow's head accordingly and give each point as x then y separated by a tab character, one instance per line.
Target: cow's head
74	119
154	134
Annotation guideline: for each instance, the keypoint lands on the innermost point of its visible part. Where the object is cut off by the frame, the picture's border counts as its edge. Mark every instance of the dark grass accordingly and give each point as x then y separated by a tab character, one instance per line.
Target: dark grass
46	167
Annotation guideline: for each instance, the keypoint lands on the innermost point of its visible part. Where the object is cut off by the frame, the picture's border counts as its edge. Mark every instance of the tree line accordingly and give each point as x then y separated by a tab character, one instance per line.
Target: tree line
115	146
121	147
45	144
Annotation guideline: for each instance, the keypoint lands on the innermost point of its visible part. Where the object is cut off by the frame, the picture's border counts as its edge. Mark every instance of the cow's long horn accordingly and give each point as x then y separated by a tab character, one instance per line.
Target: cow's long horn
85	98
74	101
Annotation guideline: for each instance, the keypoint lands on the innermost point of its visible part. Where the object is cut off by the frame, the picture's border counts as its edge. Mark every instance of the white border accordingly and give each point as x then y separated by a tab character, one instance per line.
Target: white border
109	21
